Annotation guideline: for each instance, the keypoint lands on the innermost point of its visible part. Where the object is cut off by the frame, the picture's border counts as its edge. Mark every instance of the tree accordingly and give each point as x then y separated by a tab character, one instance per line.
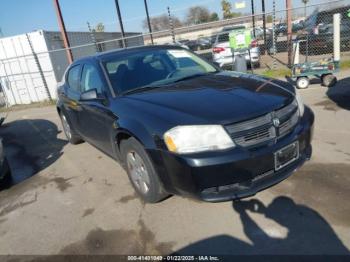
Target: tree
161	22
197	15
226	9
214	17
100	27
269	19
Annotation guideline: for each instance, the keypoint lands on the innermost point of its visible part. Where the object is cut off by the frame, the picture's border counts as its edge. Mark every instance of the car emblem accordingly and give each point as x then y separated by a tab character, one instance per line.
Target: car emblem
276	122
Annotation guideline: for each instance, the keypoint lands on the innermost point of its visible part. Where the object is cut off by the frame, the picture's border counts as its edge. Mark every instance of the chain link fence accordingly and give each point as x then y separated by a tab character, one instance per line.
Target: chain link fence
30	75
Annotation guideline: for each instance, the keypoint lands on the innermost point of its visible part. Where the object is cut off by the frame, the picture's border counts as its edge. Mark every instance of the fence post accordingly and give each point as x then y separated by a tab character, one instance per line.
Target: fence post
37	62
92	35
289	31
171	25
274	65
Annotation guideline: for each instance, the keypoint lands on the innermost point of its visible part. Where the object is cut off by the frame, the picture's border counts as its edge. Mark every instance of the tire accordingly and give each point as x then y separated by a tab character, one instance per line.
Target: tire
303	82
328	80
145	180
71	136
6	181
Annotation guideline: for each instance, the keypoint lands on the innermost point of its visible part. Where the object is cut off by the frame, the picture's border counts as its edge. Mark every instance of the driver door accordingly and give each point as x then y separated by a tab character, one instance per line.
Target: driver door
95	116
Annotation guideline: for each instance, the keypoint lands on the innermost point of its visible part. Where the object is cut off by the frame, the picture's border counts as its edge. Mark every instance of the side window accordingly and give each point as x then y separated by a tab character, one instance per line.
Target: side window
91	79
73	77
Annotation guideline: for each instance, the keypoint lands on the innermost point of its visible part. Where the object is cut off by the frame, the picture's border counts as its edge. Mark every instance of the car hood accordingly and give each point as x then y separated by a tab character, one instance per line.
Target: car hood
222	98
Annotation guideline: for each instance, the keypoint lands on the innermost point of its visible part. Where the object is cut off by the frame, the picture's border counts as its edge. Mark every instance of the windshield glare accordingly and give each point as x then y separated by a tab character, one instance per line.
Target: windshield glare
154	68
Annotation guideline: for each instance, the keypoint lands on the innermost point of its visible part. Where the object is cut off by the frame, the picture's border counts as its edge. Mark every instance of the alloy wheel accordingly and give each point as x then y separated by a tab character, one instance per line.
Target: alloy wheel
138	172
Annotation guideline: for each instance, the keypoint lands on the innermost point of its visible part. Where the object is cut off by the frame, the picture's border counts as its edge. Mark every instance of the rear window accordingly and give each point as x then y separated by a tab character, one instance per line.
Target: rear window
224	37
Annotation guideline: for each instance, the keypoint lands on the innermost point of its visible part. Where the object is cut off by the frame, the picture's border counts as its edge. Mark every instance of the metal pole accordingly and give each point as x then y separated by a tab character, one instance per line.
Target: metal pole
149	22
264	23
63	31
120	22
92	35
274	63
253	17
171	25
307	35
289	31
36	59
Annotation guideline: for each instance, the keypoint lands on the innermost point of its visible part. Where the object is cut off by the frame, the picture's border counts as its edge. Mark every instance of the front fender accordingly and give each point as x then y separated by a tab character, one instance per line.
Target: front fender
135	129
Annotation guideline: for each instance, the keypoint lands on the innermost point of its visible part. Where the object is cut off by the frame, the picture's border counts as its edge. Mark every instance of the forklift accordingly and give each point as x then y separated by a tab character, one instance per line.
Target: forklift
323	69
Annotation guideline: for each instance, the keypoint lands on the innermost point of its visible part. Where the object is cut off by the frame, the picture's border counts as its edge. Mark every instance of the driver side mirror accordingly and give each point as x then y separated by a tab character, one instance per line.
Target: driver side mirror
91	95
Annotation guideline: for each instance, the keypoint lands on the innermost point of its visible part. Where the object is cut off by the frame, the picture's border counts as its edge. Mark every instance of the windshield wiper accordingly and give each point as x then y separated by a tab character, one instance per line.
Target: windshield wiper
140	89
193	76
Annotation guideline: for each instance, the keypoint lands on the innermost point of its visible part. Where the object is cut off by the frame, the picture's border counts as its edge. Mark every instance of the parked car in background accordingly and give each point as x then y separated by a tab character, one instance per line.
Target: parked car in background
181	43
201	43
318	32
180	125
5	172
259	32
322	42
222	54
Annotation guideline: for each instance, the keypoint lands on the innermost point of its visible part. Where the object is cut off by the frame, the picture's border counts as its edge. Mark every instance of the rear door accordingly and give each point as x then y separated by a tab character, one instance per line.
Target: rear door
95	117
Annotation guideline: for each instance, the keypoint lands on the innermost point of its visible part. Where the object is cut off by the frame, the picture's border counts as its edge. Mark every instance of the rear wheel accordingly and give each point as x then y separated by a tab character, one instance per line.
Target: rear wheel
141	171
71	136
303	82
328	80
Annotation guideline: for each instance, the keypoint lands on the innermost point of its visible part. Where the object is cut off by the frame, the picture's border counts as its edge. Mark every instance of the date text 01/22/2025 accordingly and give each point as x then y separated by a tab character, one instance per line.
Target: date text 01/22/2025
173	258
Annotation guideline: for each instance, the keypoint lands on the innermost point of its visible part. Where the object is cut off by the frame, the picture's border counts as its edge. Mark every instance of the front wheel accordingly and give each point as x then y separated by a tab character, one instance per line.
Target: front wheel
141	171
303	82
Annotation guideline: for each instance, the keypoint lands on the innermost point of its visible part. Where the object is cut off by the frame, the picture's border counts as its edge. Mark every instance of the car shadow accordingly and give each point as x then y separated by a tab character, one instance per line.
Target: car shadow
340	93
307	232
30	145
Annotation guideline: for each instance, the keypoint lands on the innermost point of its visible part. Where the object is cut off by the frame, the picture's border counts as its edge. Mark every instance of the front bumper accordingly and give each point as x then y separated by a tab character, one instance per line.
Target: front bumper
231	174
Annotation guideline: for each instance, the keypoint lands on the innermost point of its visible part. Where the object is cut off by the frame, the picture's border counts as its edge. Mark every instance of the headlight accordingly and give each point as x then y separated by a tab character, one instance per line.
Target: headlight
190	139
300	103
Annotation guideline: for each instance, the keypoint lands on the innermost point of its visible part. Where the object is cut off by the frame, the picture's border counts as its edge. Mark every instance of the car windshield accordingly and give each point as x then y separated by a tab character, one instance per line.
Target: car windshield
154	68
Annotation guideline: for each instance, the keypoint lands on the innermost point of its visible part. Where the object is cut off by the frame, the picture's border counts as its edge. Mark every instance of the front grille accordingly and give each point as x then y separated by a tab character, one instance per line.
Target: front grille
262	129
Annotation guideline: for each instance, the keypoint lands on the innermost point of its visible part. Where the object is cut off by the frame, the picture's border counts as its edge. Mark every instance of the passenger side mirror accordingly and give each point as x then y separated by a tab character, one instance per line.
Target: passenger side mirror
91	95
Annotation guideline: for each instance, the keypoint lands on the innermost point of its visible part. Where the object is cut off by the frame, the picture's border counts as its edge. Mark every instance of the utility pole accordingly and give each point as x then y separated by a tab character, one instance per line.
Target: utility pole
120	22
149	22
171	25
289	31
253	17
63	31
264	23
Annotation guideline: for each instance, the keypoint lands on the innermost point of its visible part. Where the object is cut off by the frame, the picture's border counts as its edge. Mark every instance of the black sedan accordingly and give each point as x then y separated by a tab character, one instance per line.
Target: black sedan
180	125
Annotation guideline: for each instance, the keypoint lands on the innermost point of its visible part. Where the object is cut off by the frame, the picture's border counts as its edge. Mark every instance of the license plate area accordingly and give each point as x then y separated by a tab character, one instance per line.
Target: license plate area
286	155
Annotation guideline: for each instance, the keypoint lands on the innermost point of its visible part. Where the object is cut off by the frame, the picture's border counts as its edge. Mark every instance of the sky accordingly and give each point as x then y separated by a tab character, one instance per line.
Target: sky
22	16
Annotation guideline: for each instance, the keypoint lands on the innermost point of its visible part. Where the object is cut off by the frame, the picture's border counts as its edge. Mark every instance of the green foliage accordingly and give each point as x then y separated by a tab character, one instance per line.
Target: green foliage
214	17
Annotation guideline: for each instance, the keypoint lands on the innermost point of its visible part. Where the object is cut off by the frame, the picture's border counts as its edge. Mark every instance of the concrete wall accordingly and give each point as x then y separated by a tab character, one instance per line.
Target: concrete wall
19	73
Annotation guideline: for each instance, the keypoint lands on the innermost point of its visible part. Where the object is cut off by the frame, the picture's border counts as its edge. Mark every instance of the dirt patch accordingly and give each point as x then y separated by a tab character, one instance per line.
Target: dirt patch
62	183
18	203
328	105
126	199
119	241
88	212
323	187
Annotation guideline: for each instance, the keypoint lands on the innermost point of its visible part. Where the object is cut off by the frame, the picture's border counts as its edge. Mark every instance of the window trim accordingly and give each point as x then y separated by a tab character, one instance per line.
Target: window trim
79	73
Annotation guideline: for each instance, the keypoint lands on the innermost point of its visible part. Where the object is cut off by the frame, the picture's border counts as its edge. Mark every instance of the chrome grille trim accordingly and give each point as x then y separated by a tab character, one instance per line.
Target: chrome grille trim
288	125
261	129
256	122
